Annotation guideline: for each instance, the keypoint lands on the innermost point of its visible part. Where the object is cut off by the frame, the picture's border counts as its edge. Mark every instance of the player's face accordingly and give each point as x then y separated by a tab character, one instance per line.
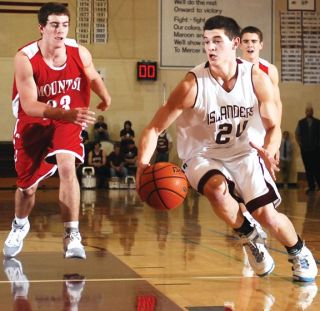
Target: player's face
219	48
250	46
56	30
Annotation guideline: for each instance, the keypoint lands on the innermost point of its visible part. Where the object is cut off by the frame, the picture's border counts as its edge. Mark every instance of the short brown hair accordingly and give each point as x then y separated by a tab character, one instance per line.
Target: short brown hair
252	29
51	8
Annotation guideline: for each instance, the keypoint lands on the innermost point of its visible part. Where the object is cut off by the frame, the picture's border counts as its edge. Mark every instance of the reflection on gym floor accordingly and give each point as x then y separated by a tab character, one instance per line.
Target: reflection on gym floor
147	260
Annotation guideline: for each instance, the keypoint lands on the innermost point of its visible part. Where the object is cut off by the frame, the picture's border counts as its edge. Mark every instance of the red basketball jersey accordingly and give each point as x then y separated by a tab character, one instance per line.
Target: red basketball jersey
64	87
264	65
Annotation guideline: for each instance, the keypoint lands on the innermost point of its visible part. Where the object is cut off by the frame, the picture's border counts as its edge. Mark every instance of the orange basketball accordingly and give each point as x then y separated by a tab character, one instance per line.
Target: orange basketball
163	186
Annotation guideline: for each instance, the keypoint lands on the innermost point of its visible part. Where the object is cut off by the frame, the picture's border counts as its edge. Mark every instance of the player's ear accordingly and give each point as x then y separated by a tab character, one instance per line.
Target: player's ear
261	45
236	42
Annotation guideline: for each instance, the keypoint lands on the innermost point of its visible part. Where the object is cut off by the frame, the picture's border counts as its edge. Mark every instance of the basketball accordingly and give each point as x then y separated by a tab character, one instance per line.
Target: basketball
163	186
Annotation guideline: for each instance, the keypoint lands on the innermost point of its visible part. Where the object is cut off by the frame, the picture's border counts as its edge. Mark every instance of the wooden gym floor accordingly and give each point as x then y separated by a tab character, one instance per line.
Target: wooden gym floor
146	260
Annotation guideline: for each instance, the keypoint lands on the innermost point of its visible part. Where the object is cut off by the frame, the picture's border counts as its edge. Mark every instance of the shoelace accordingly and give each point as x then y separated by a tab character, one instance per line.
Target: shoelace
73	235
14	238
256	251
299	263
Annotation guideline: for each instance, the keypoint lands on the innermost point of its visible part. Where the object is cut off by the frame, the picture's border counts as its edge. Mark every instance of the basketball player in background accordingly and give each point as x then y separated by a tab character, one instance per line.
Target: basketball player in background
51	96
214	106
251	43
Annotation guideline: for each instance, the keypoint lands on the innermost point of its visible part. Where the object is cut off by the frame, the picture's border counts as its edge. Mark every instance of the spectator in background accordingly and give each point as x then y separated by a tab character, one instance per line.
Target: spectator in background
308	138
88	145
164	144
285	157
117	161
126	134
101	130
130	157
97	158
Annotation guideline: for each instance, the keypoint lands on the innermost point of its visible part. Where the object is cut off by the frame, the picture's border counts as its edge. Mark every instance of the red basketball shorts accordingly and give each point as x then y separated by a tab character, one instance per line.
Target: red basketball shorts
36	144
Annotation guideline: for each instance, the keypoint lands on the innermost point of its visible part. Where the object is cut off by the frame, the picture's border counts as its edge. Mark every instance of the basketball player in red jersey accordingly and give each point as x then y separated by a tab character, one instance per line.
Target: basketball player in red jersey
51	95
251	43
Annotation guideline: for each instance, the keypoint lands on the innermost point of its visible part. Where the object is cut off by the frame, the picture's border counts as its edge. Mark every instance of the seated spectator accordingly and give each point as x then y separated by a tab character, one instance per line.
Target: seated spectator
88	145
84	136
126	134
117	161
130	157
163	147
101	129
97	158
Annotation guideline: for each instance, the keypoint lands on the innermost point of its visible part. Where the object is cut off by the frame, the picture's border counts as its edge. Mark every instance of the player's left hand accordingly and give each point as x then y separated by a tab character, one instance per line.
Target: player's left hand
105	104
269	160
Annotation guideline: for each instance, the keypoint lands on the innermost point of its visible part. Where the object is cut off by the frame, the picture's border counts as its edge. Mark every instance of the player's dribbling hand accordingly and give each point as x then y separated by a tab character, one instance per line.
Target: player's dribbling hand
140	169
270	161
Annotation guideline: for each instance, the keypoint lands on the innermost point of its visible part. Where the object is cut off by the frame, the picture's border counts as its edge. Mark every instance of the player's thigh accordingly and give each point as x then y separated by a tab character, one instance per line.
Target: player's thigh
200	170
66	140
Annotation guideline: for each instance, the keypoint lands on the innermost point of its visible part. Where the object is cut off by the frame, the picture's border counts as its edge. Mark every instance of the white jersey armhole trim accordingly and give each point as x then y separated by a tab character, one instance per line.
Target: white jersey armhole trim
264	62
15	106
31	49
71	42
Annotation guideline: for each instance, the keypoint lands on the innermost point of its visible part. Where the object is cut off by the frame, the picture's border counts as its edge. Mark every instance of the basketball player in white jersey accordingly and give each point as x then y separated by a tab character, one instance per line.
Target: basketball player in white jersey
214	106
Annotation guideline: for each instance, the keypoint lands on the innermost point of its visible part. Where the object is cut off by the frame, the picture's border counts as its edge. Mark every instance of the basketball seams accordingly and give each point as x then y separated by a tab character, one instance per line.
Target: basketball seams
164	191
155	169
168	189
160	198
156	186
159	178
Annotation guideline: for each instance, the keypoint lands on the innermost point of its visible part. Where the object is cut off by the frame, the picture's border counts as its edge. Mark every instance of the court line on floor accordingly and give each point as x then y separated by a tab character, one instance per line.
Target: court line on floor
135	279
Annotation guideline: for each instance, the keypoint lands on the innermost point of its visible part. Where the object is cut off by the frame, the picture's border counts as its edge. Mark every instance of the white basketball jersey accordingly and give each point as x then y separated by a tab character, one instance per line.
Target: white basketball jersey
217	125
257	130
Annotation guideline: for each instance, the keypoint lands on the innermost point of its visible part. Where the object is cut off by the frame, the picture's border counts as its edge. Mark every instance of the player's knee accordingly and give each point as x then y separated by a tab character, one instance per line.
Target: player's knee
29	192
266	218
67	172
216	188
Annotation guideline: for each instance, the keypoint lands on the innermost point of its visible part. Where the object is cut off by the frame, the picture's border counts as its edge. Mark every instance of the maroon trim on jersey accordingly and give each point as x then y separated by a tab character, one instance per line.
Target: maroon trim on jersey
252	80
263	200
195	100
203	180
208	175
264	68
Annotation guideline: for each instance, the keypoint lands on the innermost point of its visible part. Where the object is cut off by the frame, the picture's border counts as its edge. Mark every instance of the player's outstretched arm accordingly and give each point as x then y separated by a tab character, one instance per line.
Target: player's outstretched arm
96	83
182	97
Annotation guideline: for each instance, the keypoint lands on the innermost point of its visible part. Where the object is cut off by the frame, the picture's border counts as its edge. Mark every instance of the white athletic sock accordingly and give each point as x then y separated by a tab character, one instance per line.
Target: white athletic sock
71	224
21	221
